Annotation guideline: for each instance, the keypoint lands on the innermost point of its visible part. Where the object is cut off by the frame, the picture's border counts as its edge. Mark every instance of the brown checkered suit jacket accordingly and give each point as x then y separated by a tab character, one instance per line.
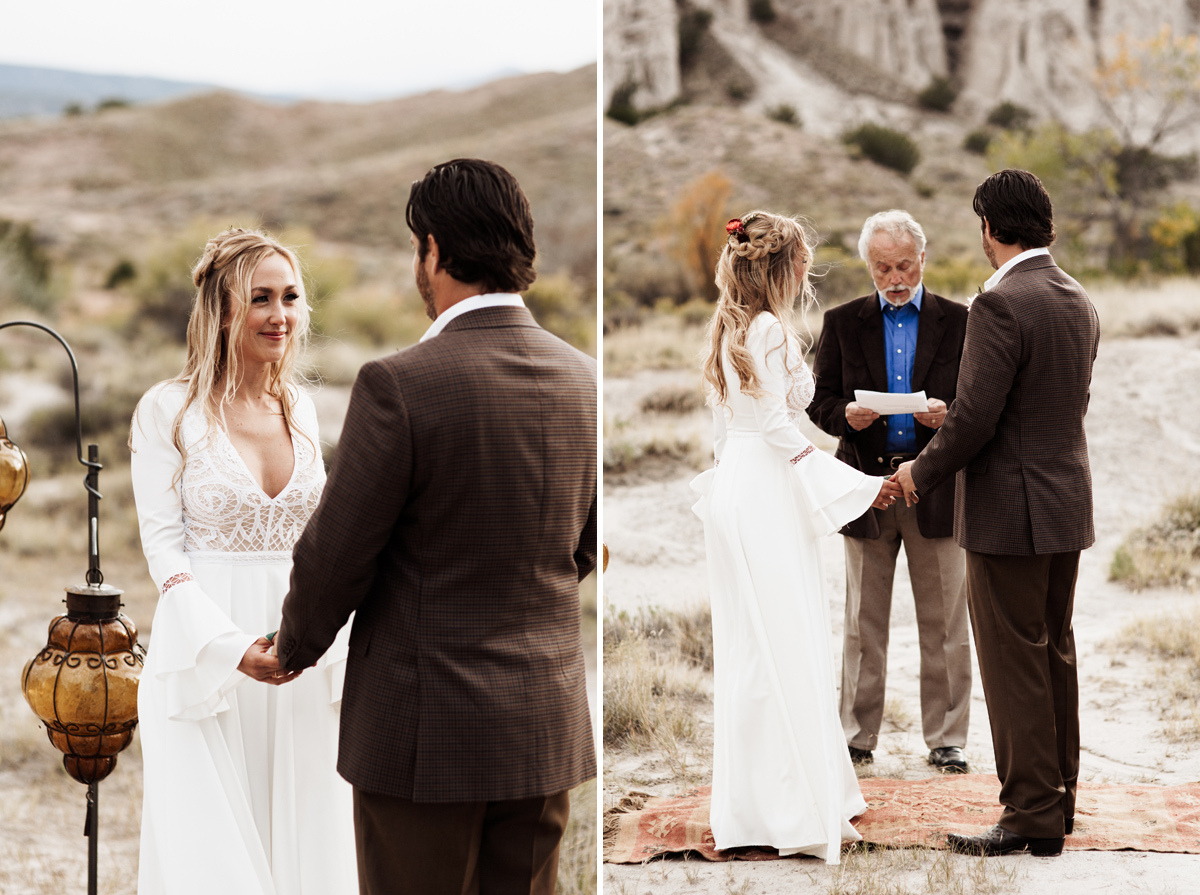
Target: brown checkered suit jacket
1014	434
851	355
458	520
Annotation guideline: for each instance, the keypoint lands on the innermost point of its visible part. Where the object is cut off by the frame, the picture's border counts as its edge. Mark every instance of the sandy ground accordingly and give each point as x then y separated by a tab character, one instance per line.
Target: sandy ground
1144	444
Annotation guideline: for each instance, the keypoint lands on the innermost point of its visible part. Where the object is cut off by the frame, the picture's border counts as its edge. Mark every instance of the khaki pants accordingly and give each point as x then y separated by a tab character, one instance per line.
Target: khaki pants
1021	609
937	570
458	848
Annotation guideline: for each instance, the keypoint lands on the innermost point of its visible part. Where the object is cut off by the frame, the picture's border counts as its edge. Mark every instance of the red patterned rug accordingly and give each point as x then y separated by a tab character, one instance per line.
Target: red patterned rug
902	813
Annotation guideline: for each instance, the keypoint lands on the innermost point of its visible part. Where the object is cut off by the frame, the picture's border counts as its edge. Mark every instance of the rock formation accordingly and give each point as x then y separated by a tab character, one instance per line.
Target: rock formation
641	51
1038	53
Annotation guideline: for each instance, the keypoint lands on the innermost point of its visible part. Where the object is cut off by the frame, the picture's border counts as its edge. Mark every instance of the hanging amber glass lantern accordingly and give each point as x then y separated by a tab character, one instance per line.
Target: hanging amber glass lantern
14	473
83	684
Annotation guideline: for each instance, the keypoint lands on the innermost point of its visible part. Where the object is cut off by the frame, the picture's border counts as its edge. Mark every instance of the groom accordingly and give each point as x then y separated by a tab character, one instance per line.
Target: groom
458	520
1023	507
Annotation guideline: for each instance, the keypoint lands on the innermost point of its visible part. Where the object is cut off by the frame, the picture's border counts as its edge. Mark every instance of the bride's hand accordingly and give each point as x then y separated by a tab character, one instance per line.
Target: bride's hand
888	492
260	664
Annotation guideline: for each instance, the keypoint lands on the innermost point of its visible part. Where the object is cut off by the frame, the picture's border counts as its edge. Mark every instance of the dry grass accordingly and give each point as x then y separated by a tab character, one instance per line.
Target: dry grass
1165	553
1174	639
577	865
662	342
655	668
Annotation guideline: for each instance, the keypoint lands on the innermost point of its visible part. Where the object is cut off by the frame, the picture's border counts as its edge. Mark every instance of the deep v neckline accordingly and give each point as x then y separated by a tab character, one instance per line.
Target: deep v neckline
246	469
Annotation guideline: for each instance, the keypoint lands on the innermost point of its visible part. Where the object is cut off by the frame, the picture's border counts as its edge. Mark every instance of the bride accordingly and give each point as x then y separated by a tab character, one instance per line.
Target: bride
782	775
241	793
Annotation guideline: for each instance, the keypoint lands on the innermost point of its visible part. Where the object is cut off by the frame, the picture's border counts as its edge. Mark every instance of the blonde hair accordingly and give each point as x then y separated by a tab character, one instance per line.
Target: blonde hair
756	272
212	372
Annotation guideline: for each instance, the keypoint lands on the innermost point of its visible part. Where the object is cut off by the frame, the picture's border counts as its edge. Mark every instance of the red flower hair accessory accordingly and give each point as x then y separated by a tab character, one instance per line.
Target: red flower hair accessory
737	227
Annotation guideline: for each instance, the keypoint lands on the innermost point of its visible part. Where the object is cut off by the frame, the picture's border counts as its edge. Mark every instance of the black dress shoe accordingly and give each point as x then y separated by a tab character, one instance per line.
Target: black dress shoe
949	759
999	841
861	756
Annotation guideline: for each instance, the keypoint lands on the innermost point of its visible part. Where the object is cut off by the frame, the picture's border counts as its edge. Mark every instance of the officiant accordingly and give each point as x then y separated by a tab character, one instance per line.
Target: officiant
901	338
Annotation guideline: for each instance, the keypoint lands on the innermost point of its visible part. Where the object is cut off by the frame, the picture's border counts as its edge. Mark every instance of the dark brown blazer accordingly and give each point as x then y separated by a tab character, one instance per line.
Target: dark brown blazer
458	520
1014	434
851	355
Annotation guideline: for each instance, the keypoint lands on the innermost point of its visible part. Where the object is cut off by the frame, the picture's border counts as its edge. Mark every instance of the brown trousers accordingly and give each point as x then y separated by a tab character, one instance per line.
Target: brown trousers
1021	615
936	568
458	848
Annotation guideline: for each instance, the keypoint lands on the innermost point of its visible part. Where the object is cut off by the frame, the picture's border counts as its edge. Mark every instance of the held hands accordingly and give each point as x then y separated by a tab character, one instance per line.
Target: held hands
260	663
904	479
859	417
935	416
888	492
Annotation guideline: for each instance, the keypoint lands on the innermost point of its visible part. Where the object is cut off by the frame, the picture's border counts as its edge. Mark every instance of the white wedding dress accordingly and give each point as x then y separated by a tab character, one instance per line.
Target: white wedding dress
782	775
242	796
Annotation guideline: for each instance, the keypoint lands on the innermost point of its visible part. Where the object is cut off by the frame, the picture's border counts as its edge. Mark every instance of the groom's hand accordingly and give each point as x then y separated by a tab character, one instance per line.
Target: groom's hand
904	479
260	664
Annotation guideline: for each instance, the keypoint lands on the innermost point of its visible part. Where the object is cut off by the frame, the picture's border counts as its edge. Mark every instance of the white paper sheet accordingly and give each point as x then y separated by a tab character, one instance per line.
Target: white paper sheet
886	403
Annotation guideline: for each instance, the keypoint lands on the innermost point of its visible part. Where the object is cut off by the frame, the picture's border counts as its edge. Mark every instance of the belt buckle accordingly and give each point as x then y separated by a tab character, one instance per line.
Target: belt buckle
895	462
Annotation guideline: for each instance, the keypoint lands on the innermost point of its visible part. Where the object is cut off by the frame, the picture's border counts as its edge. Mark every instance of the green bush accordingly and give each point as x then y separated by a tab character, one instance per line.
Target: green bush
884	146
977	142
1010	116
621	108
784	114
738	90
939	96
112	102
123	272
25	267
762	11
72	110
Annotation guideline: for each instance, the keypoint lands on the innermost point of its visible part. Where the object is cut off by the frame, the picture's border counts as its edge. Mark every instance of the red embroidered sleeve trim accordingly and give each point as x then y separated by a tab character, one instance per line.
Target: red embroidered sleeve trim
176	579
804	453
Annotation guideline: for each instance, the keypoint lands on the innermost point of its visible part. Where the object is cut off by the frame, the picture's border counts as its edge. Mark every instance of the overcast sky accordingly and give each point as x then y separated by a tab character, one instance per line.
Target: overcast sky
332	48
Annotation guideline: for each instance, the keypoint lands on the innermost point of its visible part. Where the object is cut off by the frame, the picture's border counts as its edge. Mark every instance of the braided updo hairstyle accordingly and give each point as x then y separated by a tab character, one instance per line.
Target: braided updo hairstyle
212	371
756	272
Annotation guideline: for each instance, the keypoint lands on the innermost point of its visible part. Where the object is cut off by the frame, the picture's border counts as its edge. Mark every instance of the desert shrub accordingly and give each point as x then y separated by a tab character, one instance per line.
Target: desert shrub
977	142
375	317
112	102
956	277
25	267
1173	638
693	26
673	399
762	11
696	230
784	114
72	110
884	146
738	90
122	272
563	307
621	107
1010	116
1163	553
939	96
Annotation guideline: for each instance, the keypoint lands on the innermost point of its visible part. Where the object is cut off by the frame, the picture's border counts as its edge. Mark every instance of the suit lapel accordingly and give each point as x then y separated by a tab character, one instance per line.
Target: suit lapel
870	334
929	336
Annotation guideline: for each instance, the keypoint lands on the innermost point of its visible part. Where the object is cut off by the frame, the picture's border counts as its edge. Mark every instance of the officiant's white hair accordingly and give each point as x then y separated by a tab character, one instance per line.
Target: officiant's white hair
896	223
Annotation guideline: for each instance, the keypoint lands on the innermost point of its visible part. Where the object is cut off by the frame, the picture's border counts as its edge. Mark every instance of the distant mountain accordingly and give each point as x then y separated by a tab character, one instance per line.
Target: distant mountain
27	90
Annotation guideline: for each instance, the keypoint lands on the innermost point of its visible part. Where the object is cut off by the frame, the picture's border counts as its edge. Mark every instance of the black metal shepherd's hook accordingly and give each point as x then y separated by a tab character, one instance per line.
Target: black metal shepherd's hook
92	480
95	577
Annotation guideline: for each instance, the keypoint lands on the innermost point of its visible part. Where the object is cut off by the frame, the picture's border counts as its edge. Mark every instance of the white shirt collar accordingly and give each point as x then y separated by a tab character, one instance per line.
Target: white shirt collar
1010	264
474	303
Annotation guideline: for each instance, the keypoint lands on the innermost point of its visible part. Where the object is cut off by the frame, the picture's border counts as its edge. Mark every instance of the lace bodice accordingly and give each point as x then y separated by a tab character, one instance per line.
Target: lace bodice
225	510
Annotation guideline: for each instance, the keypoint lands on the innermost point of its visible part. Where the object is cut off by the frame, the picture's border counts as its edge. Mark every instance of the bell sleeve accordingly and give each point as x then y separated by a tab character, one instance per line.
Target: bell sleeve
834	492
196	646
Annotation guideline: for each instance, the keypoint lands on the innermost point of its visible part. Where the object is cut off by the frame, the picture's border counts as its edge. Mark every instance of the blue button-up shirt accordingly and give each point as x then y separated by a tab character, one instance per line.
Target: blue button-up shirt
900	344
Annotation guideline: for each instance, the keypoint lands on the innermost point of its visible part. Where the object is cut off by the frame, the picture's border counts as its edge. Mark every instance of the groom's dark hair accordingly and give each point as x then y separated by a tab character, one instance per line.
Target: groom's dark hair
1017	208
481	220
